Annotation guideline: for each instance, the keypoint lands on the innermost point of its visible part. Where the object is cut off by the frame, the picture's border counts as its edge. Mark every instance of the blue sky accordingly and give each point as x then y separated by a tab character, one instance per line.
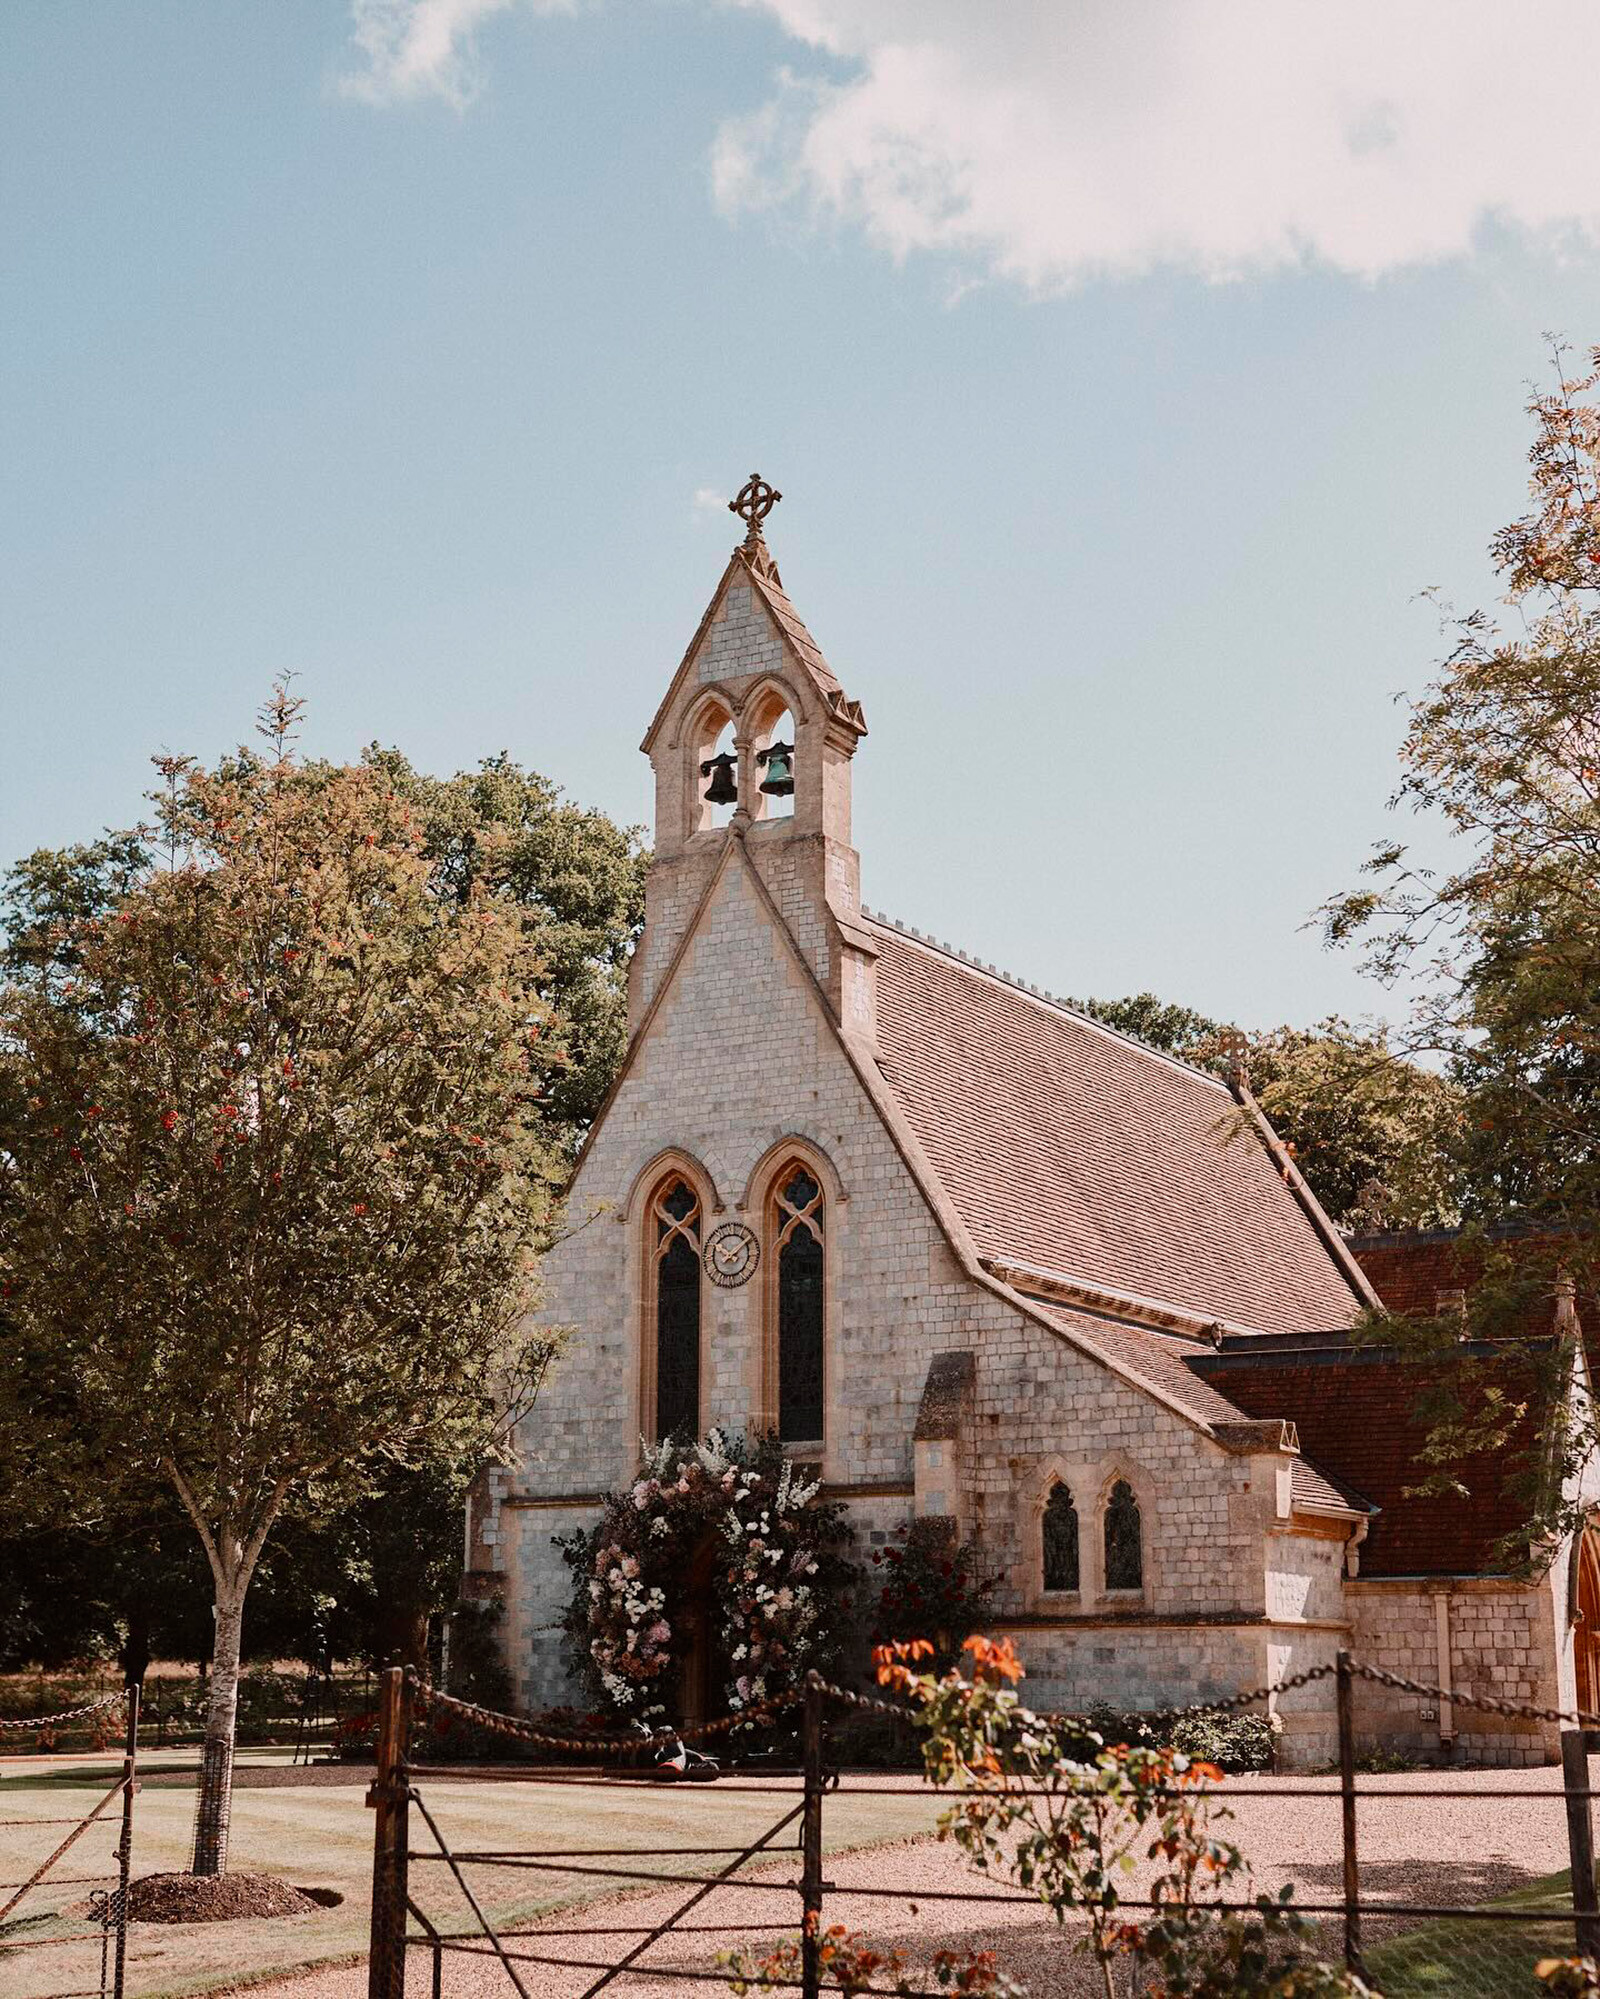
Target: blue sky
1125	388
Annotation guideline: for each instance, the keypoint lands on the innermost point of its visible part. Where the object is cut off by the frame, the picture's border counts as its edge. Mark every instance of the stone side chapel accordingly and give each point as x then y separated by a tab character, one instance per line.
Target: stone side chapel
980	1258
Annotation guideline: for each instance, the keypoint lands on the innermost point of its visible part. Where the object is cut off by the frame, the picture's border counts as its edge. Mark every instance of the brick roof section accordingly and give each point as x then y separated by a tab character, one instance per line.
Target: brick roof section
1069	1147
1356	1411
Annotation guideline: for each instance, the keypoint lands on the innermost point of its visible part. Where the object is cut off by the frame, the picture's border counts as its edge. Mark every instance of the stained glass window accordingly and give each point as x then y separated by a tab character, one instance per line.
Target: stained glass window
677	1257
1060	1540
800	1308
1124	1549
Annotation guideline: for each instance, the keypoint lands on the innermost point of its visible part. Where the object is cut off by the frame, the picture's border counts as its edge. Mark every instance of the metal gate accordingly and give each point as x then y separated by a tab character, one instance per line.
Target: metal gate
65	1910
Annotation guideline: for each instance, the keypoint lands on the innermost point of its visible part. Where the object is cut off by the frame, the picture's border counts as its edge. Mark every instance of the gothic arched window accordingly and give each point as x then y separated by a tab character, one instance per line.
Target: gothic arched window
798	1264
675	1228
1060	1539
1124	1542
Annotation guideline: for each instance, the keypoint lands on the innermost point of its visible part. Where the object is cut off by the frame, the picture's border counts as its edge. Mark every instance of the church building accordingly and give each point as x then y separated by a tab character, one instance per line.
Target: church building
984	1261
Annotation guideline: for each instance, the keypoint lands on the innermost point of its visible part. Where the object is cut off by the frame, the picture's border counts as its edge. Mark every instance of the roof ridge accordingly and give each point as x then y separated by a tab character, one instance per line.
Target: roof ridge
1039	993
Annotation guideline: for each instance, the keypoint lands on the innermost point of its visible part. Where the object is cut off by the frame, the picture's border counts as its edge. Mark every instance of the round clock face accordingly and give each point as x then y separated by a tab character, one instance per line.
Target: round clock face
732	1253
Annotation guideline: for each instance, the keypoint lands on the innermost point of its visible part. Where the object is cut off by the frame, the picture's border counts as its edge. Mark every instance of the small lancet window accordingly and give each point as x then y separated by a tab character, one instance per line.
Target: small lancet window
1124	1540
675	1214
775	767
799	1261
1060	1539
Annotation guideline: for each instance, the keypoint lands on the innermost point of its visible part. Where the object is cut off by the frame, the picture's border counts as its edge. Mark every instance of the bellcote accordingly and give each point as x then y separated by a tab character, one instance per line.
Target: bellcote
755	717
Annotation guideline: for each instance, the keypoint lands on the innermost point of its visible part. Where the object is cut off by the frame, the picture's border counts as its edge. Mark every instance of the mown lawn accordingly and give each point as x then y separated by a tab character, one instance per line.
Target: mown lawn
320	1836
1459	1959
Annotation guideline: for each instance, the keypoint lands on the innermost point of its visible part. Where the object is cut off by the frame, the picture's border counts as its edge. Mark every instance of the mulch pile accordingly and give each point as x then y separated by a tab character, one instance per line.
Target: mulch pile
196	1898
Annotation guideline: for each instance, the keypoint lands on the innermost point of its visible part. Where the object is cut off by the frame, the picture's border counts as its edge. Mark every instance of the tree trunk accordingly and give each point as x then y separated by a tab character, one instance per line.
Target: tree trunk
213	1805
135	1648
402	1633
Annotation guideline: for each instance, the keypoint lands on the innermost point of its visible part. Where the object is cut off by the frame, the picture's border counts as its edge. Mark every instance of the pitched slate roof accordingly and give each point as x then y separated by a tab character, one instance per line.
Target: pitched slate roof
1077	1150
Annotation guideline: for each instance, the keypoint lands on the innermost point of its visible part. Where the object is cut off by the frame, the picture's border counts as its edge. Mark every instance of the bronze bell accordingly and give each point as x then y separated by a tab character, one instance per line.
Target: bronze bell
722	790
779	761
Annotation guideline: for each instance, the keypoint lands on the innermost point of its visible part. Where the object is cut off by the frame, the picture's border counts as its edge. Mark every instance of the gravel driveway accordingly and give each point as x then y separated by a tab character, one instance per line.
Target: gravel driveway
1475	1841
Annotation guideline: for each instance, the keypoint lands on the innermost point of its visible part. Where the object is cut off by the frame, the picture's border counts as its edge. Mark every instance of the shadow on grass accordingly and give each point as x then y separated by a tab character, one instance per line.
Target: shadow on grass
1461	1959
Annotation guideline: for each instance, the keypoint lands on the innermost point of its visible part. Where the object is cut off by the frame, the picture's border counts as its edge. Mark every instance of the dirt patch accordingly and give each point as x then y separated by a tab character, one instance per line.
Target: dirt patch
196	1898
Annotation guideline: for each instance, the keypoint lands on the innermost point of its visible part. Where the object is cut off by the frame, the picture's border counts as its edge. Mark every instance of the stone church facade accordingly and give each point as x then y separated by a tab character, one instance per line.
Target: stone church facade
981	1259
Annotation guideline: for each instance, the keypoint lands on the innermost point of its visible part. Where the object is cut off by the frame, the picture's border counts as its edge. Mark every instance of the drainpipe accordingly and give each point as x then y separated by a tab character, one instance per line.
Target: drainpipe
1441	1626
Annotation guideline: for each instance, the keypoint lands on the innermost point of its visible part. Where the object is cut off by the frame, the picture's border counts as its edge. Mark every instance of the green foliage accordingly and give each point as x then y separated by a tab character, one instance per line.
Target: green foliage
1371	1131
1177	1029
1234	1741
1071	1827
274	1165
930	1585
1499	955
578	879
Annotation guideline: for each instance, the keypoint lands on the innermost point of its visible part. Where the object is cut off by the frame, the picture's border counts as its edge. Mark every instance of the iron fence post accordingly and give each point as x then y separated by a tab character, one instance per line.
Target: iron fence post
130	1785
1347	1793
811	1841
1580	1839
389	1798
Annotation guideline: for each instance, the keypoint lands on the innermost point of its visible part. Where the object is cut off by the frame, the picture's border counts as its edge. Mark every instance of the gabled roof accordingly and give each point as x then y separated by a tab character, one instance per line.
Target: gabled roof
756	568
1077	1150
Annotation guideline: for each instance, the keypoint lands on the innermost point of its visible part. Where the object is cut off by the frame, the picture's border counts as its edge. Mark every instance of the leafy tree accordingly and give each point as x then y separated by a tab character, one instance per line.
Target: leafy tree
1500	952
1371	1131
577	876
274	1171
579	879
1177	1029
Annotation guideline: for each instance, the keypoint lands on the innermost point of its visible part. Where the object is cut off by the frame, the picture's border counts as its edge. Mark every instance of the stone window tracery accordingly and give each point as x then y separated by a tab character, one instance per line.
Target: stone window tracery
798	1260
675	1229
1124	1539
1060	1532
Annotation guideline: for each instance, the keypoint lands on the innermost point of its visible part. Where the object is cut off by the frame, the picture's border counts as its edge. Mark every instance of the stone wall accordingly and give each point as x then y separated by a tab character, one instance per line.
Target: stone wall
1502	1643
705	1086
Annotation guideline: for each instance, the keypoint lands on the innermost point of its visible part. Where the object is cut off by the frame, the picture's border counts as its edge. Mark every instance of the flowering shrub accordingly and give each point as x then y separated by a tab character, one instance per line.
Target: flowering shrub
1236	1742
848	1964
931	1585
355	1737
1571	1977
779	1574
1070	1820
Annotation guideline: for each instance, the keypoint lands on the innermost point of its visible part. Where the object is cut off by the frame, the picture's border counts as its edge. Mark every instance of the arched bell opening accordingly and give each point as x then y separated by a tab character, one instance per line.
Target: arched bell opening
713	770
773	760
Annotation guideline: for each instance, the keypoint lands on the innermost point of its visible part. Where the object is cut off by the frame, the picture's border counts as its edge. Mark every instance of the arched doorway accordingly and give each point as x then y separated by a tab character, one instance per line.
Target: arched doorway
702	1661
1586	1620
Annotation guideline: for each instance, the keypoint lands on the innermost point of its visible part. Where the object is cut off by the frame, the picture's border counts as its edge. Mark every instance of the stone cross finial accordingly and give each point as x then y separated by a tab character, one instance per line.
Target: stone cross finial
756	499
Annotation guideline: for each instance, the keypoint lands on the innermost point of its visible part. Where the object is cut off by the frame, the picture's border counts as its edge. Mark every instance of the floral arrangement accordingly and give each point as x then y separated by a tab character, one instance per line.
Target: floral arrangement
779	1577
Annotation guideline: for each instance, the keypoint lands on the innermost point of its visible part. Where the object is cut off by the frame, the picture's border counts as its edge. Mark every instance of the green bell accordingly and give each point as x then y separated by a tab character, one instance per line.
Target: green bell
722	789
779	761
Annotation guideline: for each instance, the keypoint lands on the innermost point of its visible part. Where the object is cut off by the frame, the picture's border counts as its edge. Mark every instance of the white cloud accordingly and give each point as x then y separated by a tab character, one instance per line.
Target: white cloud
421	48
1056	140
1051	141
